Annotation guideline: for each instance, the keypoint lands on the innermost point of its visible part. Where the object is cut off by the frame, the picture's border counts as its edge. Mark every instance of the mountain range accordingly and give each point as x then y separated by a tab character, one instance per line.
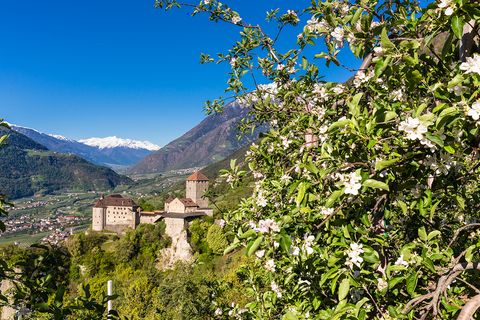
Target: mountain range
214	139
27	168
111	151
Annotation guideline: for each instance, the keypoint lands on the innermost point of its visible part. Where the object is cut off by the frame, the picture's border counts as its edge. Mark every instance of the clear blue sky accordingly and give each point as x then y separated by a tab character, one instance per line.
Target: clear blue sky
96	68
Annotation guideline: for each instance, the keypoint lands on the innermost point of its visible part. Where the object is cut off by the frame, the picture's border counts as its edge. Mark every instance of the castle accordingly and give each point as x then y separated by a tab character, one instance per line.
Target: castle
116	213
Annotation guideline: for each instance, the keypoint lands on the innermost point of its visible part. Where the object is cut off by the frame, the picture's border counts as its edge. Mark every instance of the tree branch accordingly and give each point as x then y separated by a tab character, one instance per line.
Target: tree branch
466	43
457	233
469	308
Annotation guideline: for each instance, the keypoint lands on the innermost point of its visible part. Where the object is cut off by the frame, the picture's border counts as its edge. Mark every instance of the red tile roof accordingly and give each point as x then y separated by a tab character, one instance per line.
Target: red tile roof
115	200
197	176
187	202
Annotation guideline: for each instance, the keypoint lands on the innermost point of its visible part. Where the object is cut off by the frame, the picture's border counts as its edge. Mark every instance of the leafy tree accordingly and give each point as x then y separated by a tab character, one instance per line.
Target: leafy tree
366	194
216	239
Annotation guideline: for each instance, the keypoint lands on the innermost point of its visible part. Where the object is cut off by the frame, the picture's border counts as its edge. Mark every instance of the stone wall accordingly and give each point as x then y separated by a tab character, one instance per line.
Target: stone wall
180	249
176	206
121	216
98	219
149	218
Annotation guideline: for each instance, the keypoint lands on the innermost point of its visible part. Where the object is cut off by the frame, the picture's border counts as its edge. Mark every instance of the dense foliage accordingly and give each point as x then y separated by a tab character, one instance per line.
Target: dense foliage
367	192
69	282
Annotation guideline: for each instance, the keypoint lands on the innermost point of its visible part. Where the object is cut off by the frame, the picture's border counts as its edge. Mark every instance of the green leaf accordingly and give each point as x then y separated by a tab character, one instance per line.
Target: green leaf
353	104
290	316
339	124
248	234
386	43
375	184
460	202
449	149
422	234
371	255
230	248
254	246
412	283
285	243
382	164
469	253
403	206
436	139
333	197
343	289
302	189
433	234
457	26
444	115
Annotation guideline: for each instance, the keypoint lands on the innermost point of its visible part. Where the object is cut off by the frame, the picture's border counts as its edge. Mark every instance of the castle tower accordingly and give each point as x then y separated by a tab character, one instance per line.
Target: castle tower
197	185
98	215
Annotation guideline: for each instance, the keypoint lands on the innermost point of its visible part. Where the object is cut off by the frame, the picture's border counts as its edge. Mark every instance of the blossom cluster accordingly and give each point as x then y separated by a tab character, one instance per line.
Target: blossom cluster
351	181
354	255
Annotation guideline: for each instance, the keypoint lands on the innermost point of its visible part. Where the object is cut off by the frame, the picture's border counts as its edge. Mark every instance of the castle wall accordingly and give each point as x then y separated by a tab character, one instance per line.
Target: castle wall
98	219
208	212
176	206
124	216
149	218
196	190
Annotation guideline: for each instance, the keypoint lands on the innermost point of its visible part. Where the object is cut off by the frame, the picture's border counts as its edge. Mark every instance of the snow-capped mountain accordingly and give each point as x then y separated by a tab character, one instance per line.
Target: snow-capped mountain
115	142
59	137
112	151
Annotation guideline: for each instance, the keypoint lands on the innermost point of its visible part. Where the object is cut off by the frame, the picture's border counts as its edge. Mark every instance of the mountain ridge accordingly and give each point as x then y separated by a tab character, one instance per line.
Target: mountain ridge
115	156
212	140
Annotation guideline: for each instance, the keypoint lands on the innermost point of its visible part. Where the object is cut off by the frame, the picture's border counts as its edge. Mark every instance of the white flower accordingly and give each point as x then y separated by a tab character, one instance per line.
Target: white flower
257	175
320	91
458	90
285	178
233	62
276	244
265	226
352	183
307	246
270	265
221	223
261	200
338	89
447	5
206	1
401	262
381	284
218	312
286	142
276	289
361	77
326	211
474	110
413	128
378	51
353	254
472	65
280	67
236	19
294	250
338	34
397	95
260	253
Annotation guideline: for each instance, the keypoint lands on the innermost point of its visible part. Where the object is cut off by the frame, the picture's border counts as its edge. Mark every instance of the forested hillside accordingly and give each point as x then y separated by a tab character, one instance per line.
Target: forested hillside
27	167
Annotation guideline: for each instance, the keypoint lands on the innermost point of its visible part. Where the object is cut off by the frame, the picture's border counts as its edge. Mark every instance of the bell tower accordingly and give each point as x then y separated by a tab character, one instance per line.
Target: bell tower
197	185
